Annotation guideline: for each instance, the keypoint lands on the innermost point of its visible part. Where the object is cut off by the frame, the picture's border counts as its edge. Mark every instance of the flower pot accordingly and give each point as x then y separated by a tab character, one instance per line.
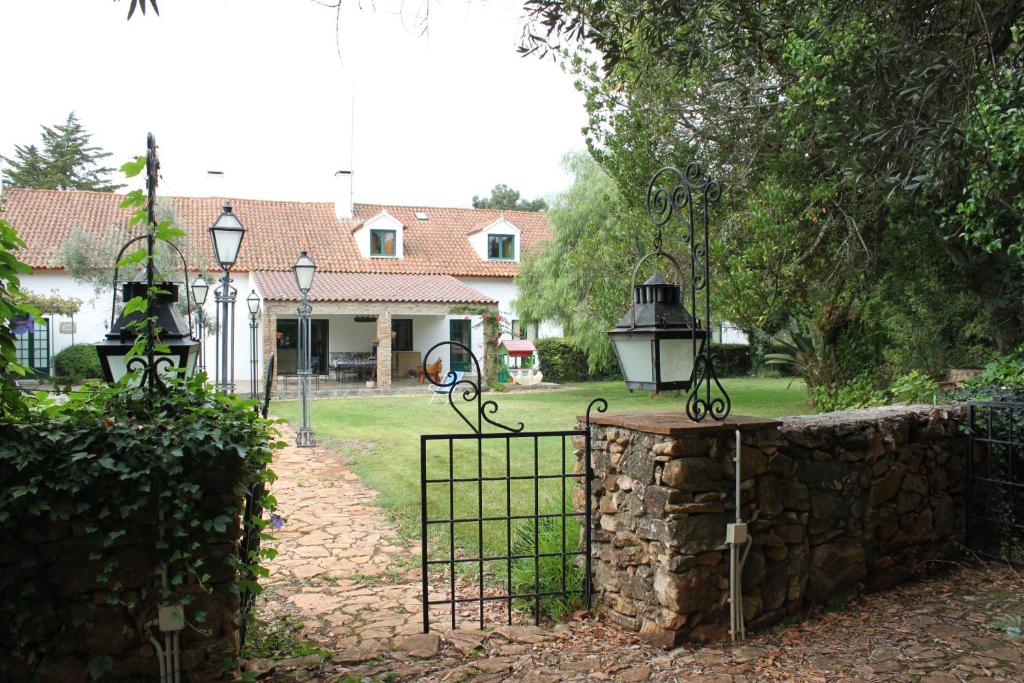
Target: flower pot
370	384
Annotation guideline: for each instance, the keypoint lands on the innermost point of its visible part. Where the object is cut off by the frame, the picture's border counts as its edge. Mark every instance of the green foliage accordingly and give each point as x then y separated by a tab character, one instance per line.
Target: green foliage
504	197
76	363
580	276
914	387
870	160
11	297
66	162
118	464
52	304
549	572
864	392
560	361
732	360
278	638
857	393
1004	369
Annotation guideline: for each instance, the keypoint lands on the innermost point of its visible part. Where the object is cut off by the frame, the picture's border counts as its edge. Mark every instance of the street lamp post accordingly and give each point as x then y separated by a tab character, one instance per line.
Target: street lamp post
304	269
200	288
254	314
227	233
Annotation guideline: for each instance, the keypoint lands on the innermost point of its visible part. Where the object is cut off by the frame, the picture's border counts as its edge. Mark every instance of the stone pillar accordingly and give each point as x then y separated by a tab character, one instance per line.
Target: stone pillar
384	349
269	332
834	503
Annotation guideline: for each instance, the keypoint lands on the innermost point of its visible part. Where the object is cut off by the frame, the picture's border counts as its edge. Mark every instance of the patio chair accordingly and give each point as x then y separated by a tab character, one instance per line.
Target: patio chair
451	379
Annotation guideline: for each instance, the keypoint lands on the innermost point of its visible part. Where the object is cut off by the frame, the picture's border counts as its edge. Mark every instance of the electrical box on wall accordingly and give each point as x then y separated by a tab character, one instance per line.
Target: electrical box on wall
736	534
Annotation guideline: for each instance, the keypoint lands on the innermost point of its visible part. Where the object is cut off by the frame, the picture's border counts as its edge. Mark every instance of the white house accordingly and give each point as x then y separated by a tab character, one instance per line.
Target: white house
391	282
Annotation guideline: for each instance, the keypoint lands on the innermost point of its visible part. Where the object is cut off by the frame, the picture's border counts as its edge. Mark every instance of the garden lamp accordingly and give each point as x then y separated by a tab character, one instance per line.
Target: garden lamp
227	232
304	269
253	300
199	289
656	341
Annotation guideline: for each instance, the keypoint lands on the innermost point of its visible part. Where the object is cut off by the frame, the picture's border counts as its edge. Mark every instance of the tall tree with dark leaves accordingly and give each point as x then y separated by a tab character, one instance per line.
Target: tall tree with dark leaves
869	153
67	161
505	197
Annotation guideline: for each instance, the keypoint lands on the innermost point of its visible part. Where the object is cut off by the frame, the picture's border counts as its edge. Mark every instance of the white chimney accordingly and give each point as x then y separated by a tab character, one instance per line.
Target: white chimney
215	184
343	198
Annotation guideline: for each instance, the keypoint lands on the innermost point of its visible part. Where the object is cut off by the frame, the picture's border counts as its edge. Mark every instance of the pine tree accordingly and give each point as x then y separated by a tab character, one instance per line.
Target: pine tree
67	161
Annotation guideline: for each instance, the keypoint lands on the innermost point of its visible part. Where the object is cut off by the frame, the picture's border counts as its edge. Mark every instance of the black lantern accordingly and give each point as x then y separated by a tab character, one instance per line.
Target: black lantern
657	341
227	232
174	332
660	345
199	289
304	269
253	301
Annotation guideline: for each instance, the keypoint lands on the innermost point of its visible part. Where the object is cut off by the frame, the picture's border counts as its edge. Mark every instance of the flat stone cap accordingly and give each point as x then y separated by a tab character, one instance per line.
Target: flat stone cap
676	423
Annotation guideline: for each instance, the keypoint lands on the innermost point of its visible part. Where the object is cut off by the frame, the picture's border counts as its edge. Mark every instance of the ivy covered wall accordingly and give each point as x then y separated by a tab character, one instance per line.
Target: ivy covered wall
113	505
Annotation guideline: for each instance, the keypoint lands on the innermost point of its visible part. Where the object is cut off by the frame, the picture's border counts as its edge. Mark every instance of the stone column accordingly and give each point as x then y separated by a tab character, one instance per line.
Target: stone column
384	349
269	332
834	503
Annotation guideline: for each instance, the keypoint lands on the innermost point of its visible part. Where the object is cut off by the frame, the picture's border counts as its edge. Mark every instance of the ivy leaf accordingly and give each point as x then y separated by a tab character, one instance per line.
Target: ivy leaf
167	231
137	256
134	168
133	198
136	304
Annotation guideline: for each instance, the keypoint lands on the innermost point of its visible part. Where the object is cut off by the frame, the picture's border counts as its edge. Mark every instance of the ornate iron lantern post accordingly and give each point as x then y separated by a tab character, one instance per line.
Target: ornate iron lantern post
659	344
253	302
163	325
304	270
227	233
200	288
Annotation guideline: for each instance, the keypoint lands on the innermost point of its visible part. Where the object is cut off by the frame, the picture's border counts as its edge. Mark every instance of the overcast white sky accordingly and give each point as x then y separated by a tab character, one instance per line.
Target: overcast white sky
255	88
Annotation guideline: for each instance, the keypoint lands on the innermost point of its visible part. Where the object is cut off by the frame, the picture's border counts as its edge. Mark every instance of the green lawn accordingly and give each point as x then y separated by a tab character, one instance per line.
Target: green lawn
381	438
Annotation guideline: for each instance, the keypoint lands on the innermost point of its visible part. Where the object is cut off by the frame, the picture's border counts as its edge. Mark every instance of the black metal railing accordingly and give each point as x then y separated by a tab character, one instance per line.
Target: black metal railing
995	473
496	506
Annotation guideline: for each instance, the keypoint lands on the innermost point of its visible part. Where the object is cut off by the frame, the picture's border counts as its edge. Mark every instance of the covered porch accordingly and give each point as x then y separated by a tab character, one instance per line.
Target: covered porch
373	331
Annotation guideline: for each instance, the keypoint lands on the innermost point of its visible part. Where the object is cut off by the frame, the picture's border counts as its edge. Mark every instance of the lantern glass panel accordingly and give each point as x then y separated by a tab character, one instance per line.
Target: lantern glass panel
200	289
676	359
635	359
226	244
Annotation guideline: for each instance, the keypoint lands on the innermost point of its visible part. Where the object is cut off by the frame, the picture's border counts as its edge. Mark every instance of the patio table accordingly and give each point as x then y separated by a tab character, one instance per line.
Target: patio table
365	368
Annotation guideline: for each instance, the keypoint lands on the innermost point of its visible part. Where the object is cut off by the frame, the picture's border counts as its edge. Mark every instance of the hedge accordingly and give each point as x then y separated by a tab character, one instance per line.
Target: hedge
77	362
561	362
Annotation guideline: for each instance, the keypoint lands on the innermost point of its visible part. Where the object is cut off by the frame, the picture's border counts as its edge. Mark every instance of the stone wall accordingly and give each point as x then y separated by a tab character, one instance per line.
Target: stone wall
836	504
104	624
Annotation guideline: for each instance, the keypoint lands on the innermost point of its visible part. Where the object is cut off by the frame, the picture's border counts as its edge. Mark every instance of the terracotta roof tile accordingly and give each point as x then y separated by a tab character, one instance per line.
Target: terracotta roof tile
280	286
275	232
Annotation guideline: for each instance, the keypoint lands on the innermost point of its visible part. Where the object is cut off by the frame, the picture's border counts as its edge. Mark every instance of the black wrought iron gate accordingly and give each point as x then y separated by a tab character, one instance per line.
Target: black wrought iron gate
505	515
995	476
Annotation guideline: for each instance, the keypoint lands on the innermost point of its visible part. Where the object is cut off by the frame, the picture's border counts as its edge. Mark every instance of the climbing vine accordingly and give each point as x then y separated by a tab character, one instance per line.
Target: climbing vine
127	494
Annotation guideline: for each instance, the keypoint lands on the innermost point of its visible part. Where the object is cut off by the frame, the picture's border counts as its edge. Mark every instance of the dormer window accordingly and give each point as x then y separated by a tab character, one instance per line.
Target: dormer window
382	243
501	247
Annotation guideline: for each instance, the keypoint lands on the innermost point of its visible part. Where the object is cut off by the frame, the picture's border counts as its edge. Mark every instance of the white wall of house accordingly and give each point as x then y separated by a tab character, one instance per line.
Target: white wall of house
93	319
504	291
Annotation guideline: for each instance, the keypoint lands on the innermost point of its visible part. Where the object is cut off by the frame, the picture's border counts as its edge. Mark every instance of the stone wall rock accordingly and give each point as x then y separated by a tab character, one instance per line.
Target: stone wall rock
836	504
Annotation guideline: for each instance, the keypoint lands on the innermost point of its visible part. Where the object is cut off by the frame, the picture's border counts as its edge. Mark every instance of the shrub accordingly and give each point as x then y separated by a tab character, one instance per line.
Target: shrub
548	578
560	361
76	363
857	393
732	360
116	483
914	387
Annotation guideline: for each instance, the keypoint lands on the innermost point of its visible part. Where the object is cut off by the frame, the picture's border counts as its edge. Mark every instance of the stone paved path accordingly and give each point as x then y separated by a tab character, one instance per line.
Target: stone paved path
339	567
341	571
